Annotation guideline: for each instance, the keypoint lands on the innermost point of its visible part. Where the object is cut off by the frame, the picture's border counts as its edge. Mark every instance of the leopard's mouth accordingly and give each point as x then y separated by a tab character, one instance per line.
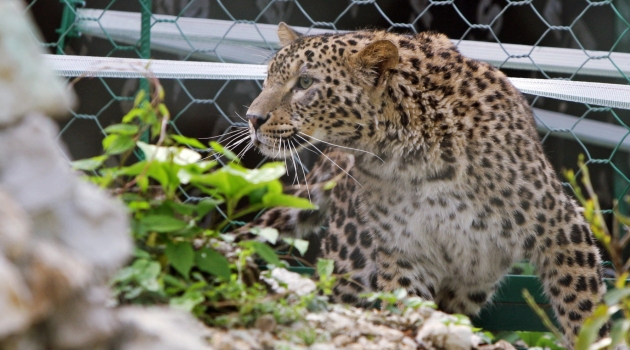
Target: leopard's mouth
280	147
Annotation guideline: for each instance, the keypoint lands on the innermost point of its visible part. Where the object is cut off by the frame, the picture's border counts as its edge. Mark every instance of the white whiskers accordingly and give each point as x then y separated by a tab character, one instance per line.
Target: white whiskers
350	148
299	161
239	129
324	154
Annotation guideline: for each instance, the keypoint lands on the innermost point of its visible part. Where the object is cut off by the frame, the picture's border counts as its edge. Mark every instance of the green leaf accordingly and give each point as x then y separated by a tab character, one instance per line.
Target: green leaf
325	267
510	337
299	244
266	173
138	205
143	183
189	232
181	256
208	260
206	205
264	252
256	195
224	182
139	97
132	114
163	110
132	170
200	166
188	301
614	296
139	253
122	129
182	208
618	331
174	281
188	141
285	200
162	223
590	328
117	144
158	172
330	185
144	272
274	187
178	155
89	163
270	234
224	151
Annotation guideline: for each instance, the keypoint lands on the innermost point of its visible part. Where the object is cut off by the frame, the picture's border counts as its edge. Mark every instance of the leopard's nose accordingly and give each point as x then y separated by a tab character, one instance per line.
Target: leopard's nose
257	120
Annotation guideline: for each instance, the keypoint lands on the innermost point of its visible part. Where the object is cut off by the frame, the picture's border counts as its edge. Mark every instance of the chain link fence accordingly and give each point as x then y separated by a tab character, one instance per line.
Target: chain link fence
521	37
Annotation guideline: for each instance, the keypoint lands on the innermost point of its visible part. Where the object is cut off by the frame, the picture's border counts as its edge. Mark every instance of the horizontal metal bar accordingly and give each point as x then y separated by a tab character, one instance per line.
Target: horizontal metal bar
112	67
610	95
249	42
586	130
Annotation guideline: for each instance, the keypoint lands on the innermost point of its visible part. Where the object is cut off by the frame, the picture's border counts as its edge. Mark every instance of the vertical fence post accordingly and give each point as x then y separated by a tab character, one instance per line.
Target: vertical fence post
622	159
145	48
145	36
67	21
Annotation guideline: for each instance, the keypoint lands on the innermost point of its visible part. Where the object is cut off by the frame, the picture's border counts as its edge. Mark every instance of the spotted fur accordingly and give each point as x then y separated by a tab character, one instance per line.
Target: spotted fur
458	189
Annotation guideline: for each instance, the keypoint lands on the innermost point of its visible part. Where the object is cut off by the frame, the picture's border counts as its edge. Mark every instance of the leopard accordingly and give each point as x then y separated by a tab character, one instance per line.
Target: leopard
440	180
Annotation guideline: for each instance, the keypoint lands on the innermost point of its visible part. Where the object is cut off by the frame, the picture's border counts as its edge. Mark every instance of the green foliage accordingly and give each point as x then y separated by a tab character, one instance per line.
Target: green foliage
540	340
398	302
184	258
616	300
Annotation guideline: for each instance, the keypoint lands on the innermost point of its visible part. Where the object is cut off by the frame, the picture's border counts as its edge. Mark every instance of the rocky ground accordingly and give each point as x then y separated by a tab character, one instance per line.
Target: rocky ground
345	327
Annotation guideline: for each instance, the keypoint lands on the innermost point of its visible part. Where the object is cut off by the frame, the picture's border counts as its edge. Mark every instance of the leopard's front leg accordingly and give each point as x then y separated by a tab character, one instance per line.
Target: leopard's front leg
300	223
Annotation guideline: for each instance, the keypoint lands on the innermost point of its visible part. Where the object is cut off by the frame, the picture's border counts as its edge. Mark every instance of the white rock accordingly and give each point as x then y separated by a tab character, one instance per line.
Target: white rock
294	282
31	168
61	207
15	300
459	337
160	329
14	230
322	347
390	334
27	84
83	323
54	275
338	323
434	333
342	340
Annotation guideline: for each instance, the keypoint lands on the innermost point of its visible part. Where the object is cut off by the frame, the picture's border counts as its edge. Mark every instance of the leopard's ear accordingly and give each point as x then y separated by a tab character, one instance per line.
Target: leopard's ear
286	34
374	61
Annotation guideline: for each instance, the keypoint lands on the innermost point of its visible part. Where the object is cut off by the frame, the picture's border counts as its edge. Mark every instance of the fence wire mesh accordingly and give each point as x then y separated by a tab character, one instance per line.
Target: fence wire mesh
596	31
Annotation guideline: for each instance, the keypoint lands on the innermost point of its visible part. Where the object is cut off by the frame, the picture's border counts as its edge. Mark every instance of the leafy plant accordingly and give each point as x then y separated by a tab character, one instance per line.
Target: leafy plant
398	301
184	257
617	299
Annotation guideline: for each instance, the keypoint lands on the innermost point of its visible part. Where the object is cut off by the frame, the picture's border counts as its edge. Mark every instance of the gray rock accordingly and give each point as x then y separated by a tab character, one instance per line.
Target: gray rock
61	208
159	328
14	230
27	84
14	300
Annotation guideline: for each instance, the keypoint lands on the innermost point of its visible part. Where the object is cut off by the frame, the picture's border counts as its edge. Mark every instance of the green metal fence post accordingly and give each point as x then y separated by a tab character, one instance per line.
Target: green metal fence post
622	159
145	36
145	48
66	29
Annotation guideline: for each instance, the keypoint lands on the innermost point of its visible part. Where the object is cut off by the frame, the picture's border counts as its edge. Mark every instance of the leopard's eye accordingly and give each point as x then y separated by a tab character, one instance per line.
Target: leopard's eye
305	82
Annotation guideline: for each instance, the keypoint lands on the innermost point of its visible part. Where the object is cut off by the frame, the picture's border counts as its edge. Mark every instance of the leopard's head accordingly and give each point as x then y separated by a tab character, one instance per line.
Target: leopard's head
321	88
